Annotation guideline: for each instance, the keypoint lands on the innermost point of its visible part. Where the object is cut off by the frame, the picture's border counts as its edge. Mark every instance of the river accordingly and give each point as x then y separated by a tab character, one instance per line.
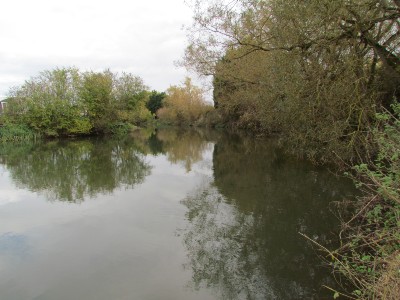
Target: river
166	214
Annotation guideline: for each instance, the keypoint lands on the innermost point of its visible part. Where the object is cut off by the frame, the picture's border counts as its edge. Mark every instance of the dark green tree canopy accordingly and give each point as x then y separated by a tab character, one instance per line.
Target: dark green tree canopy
155	101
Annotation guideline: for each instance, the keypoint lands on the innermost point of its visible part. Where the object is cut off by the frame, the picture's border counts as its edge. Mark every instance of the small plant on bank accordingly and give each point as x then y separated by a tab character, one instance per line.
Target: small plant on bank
15	133
120	128
370	253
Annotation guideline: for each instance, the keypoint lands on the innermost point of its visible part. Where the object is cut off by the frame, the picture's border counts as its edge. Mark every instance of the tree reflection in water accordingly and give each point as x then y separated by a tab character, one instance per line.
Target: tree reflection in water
76	169
185	147
242	238
72	170
242	233
217	245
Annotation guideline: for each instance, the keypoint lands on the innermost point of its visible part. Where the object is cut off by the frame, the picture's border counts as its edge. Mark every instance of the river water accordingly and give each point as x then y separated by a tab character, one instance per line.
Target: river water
172	214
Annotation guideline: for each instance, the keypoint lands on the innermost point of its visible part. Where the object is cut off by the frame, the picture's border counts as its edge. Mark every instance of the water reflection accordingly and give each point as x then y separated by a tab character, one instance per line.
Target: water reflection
240	218
184	147
72	170
217	244
243	238
76	169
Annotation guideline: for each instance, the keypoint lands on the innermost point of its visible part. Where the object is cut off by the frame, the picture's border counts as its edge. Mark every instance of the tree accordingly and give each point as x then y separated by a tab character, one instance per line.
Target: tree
50	103
155	101
131	96
129	90
276	25
316	71
67	102
97	98
183	104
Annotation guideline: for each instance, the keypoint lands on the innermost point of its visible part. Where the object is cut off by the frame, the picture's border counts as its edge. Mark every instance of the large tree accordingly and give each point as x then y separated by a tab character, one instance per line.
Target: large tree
317	71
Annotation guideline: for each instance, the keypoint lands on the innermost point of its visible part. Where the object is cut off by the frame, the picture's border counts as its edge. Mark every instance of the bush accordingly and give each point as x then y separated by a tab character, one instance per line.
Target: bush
12	132
183	105
120	128
68	102
370	255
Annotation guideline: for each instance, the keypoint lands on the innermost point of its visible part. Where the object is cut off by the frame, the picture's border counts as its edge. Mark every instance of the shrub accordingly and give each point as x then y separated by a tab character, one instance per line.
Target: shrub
370	255
183	105
13	132
68	102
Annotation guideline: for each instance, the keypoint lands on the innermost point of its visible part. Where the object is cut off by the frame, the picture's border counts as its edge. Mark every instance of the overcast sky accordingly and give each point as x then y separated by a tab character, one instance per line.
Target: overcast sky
141	37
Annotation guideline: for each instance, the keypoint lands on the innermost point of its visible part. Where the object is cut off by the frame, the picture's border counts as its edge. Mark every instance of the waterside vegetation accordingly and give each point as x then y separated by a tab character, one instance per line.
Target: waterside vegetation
370	252
67	102
184	105
324	76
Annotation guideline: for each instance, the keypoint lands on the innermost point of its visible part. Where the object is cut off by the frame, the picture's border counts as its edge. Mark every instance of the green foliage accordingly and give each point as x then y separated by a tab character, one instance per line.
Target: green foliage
120	128
155	101
129	91
67	102
96	95
49	104
131	96
140	115
15	133
371	254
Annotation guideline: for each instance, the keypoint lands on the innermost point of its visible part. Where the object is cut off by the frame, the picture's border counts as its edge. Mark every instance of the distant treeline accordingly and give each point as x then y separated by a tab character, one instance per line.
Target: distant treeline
65	101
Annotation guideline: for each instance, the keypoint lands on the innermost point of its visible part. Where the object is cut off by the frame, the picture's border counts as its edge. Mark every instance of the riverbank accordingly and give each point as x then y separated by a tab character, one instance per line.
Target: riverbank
16	133
369	255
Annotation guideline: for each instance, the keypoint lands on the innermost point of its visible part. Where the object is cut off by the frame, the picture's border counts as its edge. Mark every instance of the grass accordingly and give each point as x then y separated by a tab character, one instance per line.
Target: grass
15	133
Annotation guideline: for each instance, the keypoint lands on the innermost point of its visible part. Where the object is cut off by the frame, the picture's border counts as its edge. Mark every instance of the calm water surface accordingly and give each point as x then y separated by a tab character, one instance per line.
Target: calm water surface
163	215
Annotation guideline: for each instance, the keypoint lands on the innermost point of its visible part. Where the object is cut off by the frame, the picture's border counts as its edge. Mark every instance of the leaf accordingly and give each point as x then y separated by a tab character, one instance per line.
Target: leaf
336	295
